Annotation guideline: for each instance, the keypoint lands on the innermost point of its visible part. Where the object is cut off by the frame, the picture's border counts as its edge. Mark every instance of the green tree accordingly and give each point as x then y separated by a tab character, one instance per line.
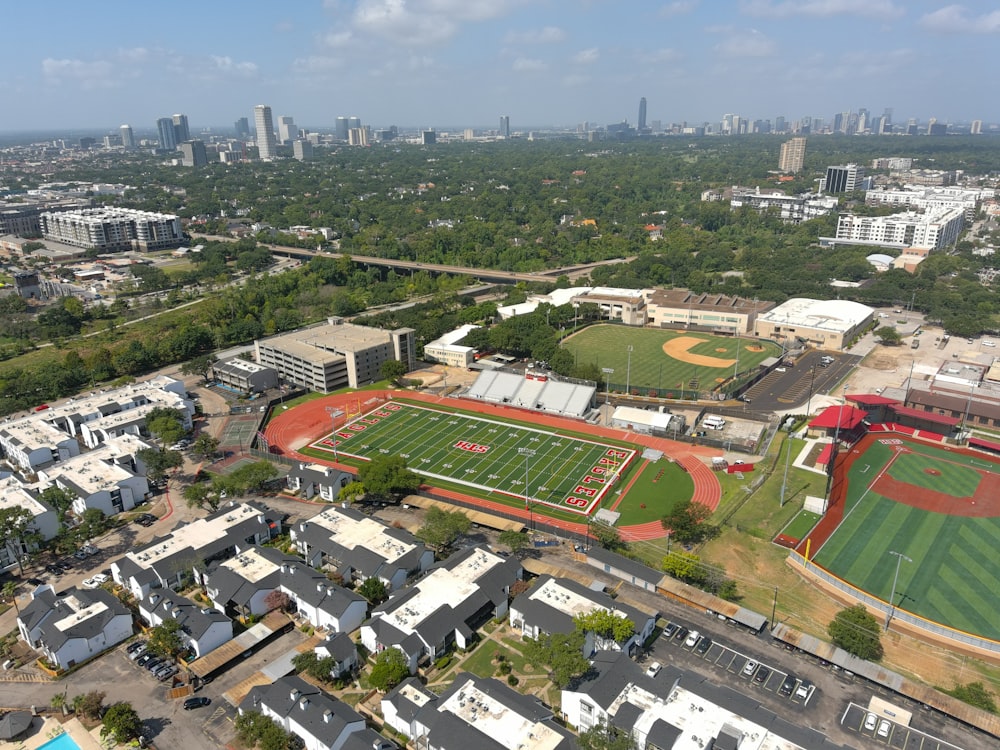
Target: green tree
317	667
975	694
201	495
392	370
15	532
562	653
606	536
387	476
606	736
687	521
278	599
390	669
606	625
857	631
165	424
121	723
253	729
205	446
351	492
9	593
90	705
442	527
888	335
515	541
373	589
93	523
158	461
59	499
253	477
200	365
165	638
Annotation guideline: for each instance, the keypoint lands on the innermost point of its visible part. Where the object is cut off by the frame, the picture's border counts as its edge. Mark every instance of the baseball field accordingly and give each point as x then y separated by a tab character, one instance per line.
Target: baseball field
666	361
938	508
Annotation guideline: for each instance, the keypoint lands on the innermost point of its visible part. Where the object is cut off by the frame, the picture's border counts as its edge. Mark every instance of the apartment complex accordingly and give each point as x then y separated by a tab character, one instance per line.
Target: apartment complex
793	209
113	229
266	142
793	154
934	230
338	354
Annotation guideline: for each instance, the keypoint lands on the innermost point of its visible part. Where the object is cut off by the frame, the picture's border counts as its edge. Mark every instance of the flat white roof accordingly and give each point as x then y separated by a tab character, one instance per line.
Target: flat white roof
33	433
250	565
634	415
498	721
92	472
453	337
831	314
13	494
366	533
195	535
80	613
238	363
444	586
567	601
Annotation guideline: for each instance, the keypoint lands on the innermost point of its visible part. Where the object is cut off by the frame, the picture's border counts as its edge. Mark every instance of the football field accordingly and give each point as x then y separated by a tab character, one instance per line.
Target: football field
567	473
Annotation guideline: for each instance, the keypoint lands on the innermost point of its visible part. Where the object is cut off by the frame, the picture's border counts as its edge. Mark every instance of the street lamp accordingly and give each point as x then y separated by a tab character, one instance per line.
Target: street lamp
628	371
527	453
892	597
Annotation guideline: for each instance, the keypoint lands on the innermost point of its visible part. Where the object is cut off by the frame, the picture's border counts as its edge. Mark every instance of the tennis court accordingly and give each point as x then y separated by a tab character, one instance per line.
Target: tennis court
567	473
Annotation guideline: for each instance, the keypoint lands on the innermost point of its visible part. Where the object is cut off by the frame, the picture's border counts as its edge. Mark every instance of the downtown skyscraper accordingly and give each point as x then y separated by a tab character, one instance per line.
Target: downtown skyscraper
265	132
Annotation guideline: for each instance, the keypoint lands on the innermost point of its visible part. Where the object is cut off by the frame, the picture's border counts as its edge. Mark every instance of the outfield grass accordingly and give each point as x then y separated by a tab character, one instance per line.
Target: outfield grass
955	570
606	346
801	525
567	473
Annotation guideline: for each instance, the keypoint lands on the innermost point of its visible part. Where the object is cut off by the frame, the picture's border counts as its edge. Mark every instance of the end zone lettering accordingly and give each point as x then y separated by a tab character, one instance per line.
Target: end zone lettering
471	447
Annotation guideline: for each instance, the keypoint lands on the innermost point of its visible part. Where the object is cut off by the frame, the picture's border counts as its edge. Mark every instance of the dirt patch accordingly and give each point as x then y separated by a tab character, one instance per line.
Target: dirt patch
754	348
678	349
720	380
721	349
932	472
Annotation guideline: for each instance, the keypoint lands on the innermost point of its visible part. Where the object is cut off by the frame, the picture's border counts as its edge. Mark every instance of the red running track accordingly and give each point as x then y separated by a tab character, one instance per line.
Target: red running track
310	421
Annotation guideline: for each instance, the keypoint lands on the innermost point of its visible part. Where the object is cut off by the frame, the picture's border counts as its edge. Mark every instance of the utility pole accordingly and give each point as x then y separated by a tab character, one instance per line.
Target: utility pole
527	453
628	371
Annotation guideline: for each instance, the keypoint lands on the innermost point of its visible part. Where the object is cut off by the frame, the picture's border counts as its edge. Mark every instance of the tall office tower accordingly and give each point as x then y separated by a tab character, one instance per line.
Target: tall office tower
863	123
505	126
977	127
165	131
843	179
428	137
727	124
887	114
302	149
128	138
642	114
793	154
780	126
265	132
181	130
340	128
840	122
287	132
353	122
470	134
243	128
193	153
358	136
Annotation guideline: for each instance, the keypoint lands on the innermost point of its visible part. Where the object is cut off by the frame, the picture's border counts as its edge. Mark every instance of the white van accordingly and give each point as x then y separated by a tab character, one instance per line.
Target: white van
713	422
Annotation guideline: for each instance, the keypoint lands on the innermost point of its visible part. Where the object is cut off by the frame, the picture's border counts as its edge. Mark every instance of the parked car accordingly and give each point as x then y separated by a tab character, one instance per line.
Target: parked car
703	646
654	669
54	570
692	638
196	702
153	663
90	549
668	632
762	674
787	686
166	674
750	667
135	646
883	728
802	691
138	654
870	721
144	658
80	555
681	633
94	581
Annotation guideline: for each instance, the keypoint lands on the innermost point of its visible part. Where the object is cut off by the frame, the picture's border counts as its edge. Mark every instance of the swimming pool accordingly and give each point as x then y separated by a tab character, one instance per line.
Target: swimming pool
62	742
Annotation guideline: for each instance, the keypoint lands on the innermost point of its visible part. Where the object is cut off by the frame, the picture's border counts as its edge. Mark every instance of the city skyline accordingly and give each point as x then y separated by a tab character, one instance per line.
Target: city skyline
430	63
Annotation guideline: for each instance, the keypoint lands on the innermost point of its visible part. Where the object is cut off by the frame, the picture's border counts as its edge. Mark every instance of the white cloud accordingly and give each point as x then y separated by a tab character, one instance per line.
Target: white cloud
135	55
424	22
93	74
678	8
317	64
548	35
586	56
745	43
885	9
337	39
955	19
226	64
528	65
662	55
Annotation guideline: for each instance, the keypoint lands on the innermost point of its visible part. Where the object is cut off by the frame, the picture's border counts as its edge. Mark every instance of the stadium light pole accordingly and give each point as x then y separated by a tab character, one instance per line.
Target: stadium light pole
784	481
628	370
527	453
892	597
334	412
607	390
812	378
836	443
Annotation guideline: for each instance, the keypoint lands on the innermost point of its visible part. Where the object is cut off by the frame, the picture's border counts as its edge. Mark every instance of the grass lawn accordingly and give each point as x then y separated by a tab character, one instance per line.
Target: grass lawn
801	525
659	486
650	367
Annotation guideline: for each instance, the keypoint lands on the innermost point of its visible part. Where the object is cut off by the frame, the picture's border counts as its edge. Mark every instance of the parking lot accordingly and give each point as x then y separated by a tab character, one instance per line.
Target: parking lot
884	731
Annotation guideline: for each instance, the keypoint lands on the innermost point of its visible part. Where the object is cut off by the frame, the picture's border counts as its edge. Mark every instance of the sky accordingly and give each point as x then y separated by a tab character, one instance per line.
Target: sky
464	63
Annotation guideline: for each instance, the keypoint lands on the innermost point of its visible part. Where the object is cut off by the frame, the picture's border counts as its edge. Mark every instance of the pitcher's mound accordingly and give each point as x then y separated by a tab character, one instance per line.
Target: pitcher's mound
932	472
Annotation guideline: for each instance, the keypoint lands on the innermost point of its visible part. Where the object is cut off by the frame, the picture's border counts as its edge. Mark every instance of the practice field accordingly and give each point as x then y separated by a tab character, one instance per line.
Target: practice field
666	361
936	506
567	473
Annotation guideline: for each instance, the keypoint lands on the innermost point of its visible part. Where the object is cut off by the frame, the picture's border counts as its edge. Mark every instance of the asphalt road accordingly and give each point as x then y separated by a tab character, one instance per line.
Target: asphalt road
783	391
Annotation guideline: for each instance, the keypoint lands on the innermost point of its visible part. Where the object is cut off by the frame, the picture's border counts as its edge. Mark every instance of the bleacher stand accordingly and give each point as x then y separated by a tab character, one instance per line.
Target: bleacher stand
535	391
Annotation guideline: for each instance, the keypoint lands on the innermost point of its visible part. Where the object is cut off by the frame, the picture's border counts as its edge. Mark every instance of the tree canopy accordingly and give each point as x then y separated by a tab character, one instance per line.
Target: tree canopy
121	722
562	653
606	625
390	669
687	521
857	631
165	638
442	527
387	476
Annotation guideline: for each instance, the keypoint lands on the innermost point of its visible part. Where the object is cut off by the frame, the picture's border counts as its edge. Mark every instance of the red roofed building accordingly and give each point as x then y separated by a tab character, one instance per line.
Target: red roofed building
833	419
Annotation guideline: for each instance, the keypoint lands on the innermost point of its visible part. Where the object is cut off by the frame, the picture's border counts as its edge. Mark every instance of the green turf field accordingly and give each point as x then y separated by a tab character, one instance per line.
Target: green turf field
571	474
658	487
801	525
606	346
955	572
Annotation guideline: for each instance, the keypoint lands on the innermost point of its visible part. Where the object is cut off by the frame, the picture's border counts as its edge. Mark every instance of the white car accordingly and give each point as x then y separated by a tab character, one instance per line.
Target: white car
870	721
654	669
750	667
95	581
883	728
692	638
